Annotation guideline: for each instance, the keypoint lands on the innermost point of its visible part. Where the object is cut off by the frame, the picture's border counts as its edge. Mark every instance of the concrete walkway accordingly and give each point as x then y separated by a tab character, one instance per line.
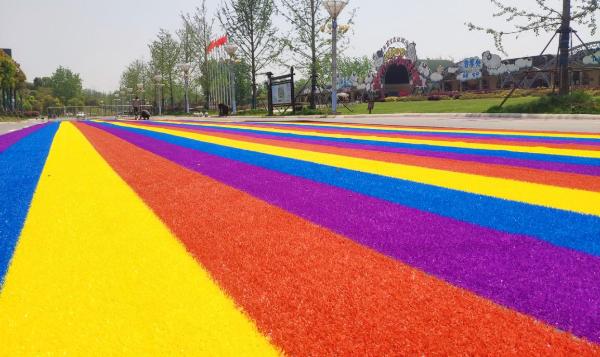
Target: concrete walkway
7	127
569	123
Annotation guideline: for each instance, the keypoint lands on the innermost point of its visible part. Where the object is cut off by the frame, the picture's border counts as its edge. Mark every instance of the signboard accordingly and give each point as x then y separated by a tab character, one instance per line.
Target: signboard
471	64
282	93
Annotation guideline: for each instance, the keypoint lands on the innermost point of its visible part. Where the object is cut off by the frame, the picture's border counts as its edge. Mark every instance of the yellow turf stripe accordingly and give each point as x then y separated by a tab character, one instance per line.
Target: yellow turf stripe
446	130
97	273
542	195
456	144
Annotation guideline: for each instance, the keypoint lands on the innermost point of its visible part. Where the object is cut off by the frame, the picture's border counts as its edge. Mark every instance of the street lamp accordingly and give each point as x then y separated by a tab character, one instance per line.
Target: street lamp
116	101
158	80
334	7
130	92
231	49
185	69
140	88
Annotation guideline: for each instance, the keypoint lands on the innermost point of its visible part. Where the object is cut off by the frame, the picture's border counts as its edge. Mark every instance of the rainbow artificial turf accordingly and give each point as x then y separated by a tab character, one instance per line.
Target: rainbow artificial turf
298	238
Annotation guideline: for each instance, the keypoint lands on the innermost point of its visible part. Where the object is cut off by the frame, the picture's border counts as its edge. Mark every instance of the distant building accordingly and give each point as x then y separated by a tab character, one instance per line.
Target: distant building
397	71
8	51
538	72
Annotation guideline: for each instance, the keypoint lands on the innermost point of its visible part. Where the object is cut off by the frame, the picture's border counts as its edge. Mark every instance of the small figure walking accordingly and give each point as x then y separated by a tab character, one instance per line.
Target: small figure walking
136	103
371	105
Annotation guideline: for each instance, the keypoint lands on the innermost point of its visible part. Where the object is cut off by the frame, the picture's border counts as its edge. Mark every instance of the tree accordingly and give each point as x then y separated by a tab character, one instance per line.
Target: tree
248	23
65	84
243	82
359	66
164	52
310	40
12	81
546	19
203	30
134	74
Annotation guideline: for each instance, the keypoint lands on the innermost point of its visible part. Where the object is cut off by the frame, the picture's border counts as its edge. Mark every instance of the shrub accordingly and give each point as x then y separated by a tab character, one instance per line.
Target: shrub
31	114
574	103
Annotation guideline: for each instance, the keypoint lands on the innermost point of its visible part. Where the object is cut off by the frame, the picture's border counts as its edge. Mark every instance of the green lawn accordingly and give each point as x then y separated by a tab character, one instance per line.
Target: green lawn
442	106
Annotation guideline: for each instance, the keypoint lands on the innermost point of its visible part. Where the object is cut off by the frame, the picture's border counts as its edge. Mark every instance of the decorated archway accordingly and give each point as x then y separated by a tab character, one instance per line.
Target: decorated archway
413	73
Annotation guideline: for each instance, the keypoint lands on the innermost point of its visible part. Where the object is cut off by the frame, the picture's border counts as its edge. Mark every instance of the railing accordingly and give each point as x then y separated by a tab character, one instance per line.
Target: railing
93	111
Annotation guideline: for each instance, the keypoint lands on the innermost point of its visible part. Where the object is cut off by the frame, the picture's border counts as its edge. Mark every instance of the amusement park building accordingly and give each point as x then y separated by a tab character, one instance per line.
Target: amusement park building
542	73
398	71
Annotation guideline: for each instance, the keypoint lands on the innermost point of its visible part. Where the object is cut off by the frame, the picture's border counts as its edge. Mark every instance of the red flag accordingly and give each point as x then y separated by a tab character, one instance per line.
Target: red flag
216	43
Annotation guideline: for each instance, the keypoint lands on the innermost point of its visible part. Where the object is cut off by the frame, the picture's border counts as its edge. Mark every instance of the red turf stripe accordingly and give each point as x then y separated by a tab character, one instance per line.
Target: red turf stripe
312	291
561	179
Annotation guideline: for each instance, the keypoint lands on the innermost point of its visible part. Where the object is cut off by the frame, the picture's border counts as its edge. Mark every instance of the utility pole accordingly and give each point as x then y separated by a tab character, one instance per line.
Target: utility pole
564	47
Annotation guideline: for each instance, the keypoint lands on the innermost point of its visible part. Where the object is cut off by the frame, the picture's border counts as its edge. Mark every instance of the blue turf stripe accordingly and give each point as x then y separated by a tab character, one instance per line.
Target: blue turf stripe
563	228
20	169
494	153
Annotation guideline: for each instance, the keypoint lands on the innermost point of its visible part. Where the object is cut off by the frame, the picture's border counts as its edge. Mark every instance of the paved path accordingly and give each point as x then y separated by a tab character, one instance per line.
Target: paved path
7	127
572	123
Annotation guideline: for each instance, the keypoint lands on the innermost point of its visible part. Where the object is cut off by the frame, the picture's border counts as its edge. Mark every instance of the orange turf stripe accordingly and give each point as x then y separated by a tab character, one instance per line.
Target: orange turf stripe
312	291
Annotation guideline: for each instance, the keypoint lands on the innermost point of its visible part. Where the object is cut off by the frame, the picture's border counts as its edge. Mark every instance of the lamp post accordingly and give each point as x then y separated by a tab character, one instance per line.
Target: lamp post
334	7
140	88
231	49
185	70
130	92
116	105
158	80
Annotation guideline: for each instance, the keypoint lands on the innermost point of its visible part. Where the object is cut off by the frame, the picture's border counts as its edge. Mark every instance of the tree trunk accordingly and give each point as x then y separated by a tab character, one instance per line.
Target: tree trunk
171	91
313	66
253	83
563	58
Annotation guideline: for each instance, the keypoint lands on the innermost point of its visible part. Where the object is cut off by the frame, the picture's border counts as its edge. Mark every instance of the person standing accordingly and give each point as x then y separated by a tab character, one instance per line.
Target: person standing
136	103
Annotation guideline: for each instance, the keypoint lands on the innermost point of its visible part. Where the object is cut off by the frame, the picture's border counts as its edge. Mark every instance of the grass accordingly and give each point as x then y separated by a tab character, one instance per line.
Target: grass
442	106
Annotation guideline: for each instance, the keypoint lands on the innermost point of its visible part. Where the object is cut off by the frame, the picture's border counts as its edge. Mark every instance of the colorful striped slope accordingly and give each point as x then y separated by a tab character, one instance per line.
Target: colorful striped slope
307	239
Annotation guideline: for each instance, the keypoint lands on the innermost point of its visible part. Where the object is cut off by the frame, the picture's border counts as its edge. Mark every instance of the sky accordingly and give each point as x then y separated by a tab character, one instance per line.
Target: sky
99	38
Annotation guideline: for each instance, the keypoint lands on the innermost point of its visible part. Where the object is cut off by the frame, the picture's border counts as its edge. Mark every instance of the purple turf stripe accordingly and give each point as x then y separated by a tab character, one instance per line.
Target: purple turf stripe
553	284
533	164
7	140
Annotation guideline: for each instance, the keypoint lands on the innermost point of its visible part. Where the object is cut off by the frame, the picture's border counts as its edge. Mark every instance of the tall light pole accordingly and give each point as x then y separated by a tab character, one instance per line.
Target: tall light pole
334	7
116	105
185	70
130	92
140	88
158	80
231	49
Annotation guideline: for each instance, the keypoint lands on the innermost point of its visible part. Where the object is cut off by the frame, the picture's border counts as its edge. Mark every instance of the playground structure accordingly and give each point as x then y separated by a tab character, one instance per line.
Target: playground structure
94	111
